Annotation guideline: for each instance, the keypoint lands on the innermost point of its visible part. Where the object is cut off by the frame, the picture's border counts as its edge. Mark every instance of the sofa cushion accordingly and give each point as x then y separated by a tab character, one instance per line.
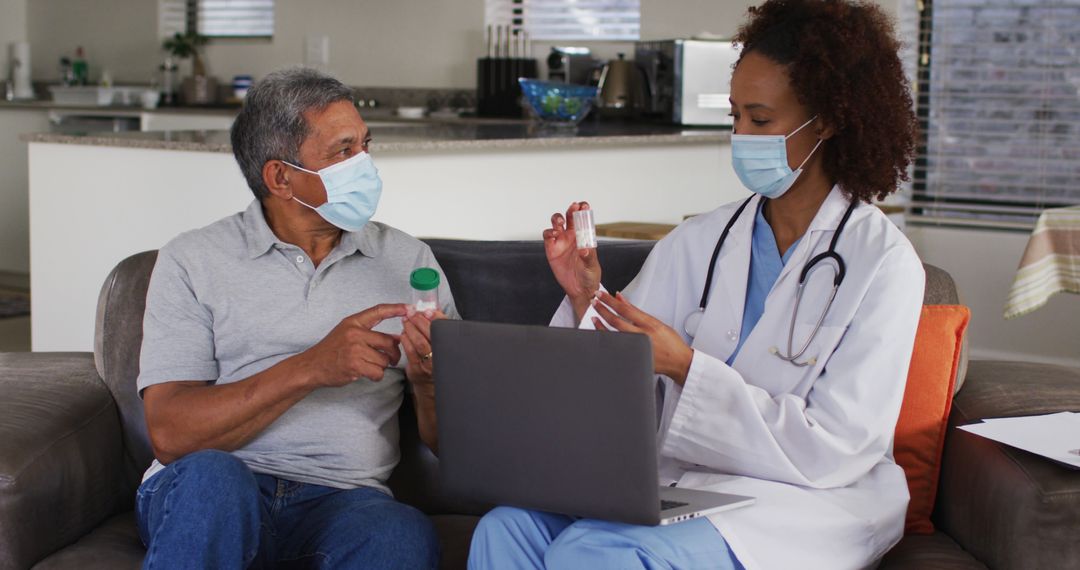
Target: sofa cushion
934	551
455	536
61	454
920	431
1010	508
115	545
511	282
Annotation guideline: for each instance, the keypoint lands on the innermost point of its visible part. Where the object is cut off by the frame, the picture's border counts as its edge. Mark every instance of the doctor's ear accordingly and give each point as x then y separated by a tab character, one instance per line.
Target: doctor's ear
823	130
275	176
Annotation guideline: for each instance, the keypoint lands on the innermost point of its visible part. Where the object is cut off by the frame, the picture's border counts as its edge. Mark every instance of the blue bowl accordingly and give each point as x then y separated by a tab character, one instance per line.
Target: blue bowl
557	103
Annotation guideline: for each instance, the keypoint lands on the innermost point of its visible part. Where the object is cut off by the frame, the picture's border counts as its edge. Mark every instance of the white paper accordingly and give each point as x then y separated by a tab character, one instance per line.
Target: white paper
1054	436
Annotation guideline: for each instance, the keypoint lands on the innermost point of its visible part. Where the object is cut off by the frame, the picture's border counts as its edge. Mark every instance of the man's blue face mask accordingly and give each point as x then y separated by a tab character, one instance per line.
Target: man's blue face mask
353	188
761	163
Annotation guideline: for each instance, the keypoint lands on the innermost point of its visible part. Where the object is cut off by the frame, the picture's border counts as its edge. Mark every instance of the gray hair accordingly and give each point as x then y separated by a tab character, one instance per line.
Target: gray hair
271	126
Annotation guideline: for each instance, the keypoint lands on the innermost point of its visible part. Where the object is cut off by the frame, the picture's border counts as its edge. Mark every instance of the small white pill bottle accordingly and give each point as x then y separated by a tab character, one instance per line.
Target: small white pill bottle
425	289
585	229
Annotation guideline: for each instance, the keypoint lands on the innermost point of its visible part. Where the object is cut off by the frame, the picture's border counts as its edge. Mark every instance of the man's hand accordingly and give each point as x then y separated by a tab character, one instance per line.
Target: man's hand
352	350
416	340
671	355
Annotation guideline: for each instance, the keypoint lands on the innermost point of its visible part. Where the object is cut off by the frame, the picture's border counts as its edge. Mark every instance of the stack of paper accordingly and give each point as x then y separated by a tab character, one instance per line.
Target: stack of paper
1055	436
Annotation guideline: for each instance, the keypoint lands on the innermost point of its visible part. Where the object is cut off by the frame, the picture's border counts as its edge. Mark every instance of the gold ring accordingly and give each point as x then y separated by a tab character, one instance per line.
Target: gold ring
426	356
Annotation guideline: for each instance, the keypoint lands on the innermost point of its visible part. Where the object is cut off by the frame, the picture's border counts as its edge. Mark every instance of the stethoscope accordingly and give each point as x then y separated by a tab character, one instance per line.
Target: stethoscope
693	320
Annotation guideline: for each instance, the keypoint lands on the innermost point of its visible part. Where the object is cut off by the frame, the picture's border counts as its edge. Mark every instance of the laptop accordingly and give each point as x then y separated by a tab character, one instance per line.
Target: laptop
558	420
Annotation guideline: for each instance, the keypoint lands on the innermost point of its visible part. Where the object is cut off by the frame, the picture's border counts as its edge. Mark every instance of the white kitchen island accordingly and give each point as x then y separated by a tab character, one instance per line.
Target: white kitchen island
97	199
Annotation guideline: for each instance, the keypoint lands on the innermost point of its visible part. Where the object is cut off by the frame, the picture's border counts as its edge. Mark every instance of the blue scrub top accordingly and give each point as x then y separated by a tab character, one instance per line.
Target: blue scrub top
766	263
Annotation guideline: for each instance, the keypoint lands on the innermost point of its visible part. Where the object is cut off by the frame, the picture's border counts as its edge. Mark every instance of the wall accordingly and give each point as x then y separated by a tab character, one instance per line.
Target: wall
372	42
983	264
121	34
12	29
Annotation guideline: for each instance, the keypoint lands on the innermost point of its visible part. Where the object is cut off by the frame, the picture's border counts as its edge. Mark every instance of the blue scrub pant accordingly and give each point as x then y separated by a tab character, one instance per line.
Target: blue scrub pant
511	538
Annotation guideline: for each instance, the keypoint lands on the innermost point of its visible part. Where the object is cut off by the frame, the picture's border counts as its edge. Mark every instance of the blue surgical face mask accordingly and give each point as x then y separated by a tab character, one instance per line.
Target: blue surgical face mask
761	162
353	188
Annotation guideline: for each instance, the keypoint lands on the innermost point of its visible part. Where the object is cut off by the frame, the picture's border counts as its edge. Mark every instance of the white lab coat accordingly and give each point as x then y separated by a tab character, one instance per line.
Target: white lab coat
814	444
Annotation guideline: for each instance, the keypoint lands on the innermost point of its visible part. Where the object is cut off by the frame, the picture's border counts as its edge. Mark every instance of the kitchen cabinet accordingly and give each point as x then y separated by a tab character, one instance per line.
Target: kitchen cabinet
183	120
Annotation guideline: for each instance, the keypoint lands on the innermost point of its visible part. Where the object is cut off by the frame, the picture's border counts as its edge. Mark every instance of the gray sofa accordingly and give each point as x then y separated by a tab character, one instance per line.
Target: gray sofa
73	440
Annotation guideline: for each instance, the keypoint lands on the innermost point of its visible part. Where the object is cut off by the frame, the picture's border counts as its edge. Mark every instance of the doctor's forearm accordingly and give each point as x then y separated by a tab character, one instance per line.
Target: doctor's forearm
581	306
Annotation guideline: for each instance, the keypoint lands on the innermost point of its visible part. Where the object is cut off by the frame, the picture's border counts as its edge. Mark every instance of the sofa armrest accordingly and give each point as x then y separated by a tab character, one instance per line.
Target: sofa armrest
1007	507
61	454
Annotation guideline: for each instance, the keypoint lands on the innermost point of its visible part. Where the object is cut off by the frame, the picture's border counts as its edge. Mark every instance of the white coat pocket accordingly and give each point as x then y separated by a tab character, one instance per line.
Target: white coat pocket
779	376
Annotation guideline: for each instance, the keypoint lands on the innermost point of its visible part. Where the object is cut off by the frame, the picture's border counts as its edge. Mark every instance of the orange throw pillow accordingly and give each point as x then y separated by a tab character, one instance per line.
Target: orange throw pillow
920	432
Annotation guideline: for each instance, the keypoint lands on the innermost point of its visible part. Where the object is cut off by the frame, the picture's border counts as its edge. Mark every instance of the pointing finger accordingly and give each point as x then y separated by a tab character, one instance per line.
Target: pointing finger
379	313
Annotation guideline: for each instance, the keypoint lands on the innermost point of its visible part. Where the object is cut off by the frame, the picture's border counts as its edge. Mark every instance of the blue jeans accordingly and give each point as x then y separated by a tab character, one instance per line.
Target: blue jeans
209	510
516	539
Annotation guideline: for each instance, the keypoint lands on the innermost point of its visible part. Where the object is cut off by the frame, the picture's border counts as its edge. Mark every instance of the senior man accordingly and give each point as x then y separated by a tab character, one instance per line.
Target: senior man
276	347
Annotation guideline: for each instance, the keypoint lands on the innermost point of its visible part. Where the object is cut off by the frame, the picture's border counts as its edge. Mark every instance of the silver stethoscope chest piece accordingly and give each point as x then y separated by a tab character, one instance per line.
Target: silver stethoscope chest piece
693	320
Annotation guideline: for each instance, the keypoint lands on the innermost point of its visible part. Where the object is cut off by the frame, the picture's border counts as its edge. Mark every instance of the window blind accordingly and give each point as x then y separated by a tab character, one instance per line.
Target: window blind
217	18
568	19
997	86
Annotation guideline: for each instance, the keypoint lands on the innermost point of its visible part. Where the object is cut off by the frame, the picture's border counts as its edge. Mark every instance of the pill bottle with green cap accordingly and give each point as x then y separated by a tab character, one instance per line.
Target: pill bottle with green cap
425	289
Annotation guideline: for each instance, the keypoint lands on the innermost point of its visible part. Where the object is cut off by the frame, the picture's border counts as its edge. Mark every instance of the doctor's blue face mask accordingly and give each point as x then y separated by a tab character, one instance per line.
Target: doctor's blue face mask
761	162
353	188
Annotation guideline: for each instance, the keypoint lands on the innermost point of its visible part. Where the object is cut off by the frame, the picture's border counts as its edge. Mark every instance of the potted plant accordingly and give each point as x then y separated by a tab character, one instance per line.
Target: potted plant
200	88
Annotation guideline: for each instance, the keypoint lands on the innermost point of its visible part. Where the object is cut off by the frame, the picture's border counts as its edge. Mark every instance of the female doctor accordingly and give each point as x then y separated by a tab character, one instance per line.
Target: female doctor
781	348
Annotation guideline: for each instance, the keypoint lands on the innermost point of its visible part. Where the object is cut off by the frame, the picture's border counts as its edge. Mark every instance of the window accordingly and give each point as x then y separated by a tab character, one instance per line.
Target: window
218	18
568	19
997	95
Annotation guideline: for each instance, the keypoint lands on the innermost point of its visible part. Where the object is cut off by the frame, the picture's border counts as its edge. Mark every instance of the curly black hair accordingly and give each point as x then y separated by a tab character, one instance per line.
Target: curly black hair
843	63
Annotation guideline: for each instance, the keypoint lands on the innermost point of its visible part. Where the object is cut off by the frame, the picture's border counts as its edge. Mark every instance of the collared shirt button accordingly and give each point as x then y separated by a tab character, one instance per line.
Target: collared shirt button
299	259
733	335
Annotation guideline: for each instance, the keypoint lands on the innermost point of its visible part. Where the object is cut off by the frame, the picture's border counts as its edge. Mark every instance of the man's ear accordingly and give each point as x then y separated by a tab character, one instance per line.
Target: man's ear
275	176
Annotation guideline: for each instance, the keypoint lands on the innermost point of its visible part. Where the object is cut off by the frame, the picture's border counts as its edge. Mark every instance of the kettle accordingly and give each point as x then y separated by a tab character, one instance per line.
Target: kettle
622	88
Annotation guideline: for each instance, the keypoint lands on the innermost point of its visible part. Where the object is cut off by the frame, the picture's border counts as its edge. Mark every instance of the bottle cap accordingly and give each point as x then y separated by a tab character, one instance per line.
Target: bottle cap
424	279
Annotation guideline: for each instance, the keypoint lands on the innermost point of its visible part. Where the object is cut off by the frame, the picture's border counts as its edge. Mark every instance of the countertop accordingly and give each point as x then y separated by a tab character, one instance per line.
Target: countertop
393	134
47	105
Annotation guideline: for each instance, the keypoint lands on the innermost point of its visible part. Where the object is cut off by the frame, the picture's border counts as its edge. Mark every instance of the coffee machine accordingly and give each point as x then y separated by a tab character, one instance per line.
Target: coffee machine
575	65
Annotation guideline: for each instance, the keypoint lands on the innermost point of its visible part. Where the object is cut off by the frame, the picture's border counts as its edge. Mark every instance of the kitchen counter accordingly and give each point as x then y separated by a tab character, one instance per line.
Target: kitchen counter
48	105
395	134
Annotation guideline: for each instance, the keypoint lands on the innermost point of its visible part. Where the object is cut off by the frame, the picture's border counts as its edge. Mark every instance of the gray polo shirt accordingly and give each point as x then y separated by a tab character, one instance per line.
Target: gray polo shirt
230	300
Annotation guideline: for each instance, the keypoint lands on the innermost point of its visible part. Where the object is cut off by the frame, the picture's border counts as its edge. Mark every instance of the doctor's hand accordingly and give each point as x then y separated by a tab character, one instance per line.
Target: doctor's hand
671	355
416	342
577	271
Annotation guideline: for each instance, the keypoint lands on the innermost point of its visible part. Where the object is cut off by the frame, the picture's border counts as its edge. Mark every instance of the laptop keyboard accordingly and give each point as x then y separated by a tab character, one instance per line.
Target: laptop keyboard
668	505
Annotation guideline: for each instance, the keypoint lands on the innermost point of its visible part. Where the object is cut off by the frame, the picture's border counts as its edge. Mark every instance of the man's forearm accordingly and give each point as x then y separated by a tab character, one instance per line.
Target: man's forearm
426	420
187	417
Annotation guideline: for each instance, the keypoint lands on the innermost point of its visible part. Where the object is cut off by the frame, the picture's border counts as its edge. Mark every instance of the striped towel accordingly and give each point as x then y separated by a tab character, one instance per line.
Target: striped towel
1051	262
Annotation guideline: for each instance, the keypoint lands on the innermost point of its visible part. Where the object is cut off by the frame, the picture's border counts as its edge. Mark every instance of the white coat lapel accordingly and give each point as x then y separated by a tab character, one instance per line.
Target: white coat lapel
816	239
719	332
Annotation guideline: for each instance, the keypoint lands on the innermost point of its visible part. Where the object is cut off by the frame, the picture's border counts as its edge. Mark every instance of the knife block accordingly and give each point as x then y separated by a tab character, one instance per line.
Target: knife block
497	91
